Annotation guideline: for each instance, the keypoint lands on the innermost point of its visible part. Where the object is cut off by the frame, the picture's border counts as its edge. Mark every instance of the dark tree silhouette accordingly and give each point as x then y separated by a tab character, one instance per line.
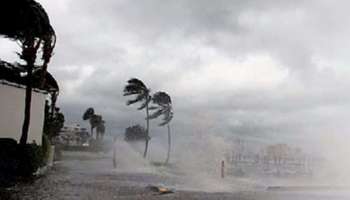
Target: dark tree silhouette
135	133
163	106
138	88
53	123
100	130
95	122
27	22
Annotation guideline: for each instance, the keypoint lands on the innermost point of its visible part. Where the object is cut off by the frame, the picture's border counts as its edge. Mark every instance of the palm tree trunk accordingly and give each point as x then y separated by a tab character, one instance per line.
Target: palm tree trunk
169	146
27	108
29	50
147	132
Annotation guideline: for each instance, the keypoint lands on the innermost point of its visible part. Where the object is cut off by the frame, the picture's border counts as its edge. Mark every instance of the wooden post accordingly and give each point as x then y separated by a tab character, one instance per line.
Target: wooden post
114	152
222	169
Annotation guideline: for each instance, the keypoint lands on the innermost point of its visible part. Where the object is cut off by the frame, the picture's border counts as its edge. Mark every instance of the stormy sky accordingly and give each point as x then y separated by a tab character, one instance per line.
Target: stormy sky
250	68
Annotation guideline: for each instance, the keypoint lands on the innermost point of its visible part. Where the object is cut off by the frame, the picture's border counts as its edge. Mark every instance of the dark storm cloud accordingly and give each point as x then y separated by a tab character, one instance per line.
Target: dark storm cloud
258	68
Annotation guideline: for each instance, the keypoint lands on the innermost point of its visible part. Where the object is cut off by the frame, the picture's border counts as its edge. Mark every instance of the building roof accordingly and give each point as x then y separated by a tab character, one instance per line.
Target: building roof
13	74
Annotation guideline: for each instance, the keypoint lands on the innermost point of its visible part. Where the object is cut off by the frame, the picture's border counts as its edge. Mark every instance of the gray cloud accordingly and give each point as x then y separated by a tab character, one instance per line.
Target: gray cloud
261	69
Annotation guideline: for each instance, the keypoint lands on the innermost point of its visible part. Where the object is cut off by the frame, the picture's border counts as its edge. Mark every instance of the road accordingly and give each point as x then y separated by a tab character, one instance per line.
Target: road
82	176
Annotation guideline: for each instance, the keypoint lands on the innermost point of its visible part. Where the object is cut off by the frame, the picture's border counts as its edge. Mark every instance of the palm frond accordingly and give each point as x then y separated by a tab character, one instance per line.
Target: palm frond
138	98
137	87
28	18
138	82
145	103
161	98
163	106
128	93
88	113
28	22
133	89
153	108
156	114
167	114
165	122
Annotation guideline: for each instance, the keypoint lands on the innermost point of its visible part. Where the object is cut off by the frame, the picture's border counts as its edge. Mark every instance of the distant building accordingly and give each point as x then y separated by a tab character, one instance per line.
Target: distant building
12	102
74	135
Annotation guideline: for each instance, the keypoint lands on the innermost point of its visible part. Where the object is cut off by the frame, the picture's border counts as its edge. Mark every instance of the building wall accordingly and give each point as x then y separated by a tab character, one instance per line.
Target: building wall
12	113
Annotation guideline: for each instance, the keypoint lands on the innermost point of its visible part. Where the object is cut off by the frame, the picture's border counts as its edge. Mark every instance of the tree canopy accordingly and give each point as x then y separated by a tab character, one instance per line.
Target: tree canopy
163	106
138	88
22	18
135	133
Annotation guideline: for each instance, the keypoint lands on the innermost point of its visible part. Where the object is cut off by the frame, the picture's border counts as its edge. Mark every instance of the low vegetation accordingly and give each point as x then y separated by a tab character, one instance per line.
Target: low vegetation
21	161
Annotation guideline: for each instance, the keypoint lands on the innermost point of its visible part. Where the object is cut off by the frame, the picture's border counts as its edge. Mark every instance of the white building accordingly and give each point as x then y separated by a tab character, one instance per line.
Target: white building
74	135
12	102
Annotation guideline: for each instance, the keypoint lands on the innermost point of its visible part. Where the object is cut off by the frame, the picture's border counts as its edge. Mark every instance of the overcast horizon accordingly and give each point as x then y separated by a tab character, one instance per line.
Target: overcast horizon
256	69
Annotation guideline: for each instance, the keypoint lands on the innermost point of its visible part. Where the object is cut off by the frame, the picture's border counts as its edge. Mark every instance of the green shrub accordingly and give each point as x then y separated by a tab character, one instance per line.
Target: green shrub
30	157
8	162
21	160
8	151
46	148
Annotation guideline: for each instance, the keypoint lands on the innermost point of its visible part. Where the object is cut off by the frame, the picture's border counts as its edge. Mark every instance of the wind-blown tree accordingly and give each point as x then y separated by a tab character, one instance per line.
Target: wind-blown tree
100	130
53	124
26	22
138	88
94	120
163	106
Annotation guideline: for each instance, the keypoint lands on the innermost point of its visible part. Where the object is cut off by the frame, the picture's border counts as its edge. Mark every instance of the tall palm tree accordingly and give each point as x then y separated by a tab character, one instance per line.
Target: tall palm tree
100	130
27	22
94	120
138	88
163	107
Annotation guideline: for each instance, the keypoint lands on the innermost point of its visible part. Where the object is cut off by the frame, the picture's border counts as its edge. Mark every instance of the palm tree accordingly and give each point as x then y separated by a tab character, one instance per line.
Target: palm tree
27	22
138	88
163	107
94	119
100	130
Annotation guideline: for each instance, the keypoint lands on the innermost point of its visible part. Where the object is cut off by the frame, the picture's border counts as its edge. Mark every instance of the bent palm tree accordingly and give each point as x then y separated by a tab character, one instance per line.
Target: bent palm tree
138	88
27	22
100	130
163	107
94	120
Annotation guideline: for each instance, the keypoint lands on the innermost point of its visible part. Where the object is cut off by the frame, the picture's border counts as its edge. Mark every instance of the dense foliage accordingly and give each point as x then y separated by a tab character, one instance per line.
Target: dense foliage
96	121
53	122
21	160
135	133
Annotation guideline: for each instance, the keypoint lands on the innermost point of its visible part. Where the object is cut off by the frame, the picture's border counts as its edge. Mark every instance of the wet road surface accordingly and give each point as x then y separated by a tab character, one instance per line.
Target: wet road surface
91	177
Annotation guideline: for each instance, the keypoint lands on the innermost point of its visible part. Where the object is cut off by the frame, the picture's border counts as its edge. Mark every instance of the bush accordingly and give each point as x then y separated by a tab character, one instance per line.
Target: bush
8	165
136	133
21	160
8	151
17	160
46	148
30	157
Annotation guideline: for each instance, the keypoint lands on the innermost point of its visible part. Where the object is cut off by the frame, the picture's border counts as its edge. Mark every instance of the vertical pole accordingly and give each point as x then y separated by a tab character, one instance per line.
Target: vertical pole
114	152
169	145
222	169
147	130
